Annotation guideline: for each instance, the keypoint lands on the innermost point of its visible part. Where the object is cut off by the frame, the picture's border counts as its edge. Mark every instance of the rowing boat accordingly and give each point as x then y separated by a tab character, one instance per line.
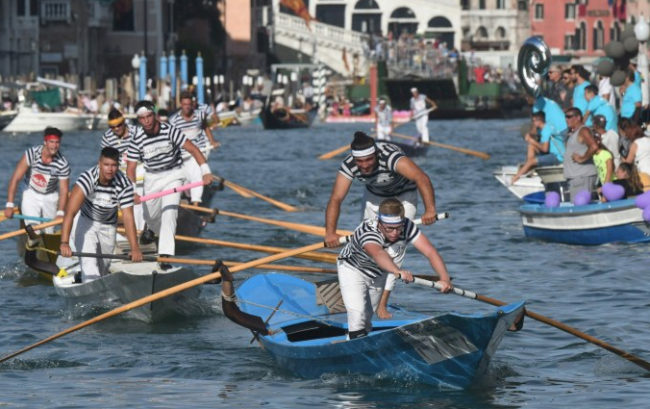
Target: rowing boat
540	179
309	339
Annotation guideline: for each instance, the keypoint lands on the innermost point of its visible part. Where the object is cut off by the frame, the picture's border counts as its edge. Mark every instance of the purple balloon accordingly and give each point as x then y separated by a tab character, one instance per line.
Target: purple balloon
643	201
646	214
612	191
552	199
582	198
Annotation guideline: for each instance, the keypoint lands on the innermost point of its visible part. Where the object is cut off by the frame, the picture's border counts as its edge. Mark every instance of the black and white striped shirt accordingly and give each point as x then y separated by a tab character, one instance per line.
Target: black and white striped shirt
158	152
192	128
44	178
368	232
101	201
111	139
384	180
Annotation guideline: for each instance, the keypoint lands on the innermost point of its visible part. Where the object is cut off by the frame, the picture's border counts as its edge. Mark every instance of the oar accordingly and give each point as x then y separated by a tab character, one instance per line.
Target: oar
237	189
475	296
36	227
171	191
481	155
340	150
314	256
277	203
25	217
305	228
167	292
203	262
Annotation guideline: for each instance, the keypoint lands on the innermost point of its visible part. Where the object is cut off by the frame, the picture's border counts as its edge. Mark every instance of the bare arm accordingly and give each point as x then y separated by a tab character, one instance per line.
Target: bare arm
631	153
407	168
131	166
385	262
200	159
213	142
72	207
19	173
425	247
339	191
131	233
64	188
610	170
592	146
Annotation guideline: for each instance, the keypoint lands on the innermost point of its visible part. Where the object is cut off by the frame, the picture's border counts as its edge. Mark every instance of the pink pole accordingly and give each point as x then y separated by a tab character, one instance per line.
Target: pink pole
170	191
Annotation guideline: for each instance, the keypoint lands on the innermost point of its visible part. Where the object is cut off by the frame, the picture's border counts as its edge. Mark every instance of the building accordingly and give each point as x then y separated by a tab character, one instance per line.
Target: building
19	37
580	30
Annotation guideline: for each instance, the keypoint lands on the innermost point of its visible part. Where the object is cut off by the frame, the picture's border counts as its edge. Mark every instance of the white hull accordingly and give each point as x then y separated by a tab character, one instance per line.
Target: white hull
28	121
527	184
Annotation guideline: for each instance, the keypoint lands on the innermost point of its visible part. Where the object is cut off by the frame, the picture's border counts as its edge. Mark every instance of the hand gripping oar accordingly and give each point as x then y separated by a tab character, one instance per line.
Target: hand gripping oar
167	292
340	150
479	154
475	296
171	191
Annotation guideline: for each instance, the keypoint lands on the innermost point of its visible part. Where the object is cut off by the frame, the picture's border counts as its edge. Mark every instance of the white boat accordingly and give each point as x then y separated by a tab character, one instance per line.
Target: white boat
242	118
28	120
532	182
6	117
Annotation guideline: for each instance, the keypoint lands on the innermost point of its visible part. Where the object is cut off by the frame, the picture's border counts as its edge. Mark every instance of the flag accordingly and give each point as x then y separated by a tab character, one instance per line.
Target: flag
299	9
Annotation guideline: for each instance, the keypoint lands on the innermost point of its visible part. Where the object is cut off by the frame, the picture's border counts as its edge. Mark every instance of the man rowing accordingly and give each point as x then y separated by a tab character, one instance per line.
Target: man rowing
91	213
376	251
386	172
158	146
46	173
193	124
420	114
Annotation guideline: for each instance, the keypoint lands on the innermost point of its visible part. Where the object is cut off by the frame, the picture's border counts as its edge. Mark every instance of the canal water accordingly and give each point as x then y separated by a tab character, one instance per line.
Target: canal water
207	361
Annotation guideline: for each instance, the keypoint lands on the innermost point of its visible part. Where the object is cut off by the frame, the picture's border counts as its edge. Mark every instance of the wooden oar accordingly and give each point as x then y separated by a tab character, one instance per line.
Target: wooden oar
481	155
36	227
277	203
340	150
165	293
314	256
204	262
559	325
235	188
305	228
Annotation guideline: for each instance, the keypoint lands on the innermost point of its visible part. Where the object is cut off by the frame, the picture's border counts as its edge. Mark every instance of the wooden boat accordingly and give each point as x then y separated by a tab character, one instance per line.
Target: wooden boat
283	118
125	282
307	339
540	179
591	224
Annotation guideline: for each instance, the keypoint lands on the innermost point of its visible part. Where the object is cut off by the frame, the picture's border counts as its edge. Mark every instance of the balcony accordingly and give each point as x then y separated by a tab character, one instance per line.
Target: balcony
55	11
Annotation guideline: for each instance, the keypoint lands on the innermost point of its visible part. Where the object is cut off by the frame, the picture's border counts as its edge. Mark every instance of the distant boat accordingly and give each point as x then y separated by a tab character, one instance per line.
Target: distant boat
539	179
6	117
28	120
284	118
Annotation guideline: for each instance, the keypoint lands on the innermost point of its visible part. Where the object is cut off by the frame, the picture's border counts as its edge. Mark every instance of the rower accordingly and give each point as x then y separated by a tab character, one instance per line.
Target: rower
419	113
46	173
98	193
386	172
192	123
383	120
376	251
158	145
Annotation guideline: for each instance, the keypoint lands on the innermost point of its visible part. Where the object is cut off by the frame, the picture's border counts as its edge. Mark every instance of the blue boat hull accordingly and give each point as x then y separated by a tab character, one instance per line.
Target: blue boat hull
448	350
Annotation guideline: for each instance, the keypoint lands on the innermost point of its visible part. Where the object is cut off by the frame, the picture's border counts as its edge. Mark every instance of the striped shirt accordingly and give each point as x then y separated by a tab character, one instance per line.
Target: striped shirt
111	139
384	116
41	177
101	201
192	128
384	180
158	152
368	232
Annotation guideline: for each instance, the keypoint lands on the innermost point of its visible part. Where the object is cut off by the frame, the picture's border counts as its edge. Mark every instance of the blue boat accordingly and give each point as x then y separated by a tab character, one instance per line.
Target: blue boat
591	224
307	339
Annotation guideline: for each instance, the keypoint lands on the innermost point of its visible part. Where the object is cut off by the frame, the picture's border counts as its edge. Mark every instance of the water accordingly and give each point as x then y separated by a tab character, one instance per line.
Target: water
209	361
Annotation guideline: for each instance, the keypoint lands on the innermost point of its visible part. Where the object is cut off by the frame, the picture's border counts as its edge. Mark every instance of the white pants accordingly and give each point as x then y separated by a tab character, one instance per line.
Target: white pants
383	132
192	172
421	125
371	208
160	214
92	237
39	205
361	295
138	212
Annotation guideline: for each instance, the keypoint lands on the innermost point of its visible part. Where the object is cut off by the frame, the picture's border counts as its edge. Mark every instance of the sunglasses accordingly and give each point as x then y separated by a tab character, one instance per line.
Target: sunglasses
569	116
391	229
117	126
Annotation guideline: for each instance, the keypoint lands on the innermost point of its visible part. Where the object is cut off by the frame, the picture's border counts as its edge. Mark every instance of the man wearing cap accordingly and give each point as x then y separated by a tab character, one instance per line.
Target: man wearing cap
158	146
419	113
386	172
46	174
383	120
91	213
376	251
192	123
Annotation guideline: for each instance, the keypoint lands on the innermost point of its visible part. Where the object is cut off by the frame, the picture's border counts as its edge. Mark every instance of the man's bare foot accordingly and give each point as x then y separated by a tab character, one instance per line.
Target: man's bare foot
384	314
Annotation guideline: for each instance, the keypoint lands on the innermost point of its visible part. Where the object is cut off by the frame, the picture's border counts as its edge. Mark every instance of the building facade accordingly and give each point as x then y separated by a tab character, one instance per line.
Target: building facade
19	37
494	25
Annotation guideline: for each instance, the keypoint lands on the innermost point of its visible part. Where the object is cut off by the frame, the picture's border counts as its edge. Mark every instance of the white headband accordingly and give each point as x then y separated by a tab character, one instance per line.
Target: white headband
364	152
143	110
390	219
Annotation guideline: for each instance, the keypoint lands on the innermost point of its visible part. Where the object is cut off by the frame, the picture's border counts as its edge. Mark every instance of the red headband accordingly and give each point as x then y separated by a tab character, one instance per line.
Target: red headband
51	136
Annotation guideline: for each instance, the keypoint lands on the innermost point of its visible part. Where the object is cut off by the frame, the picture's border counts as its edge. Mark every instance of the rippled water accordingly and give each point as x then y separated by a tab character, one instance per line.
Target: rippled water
209	362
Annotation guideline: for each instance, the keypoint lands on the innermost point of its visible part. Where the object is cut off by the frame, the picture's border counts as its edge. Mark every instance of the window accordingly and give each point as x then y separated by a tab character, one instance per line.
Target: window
539	12
123	18
599	36
33	7
501	4
580	42
20	9
570	11
481	33
522	5
464	4
481	4
500	33
615	32
568	41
